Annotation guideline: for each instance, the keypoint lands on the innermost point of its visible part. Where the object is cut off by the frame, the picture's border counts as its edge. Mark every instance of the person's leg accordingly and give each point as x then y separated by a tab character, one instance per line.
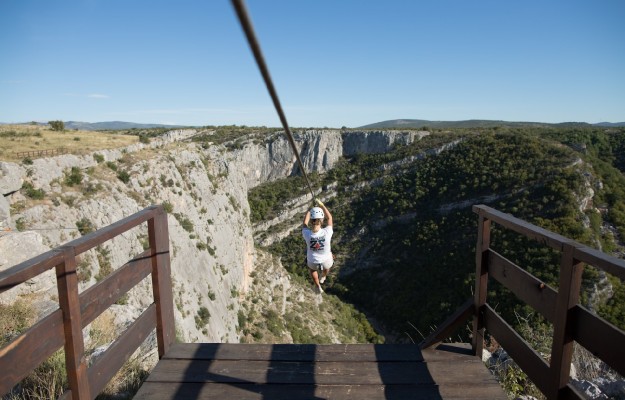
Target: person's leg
315	276
326	268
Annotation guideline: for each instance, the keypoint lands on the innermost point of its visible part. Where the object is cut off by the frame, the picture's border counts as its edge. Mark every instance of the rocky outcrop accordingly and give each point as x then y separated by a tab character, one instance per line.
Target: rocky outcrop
10	181
373	142
5	213
320	150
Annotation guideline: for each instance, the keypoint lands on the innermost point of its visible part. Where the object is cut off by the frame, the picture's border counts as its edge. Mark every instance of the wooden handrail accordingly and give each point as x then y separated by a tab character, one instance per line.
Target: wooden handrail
63	327
572	322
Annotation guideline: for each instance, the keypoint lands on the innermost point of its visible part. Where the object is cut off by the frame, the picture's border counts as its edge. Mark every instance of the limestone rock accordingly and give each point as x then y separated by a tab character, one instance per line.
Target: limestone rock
30	244
11	177
5	213
374	142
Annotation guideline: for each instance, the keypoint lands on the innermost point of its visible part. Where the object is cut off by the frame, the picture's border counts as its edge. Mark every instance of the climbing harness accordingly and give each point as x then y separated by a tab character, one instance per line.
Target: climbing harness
246	24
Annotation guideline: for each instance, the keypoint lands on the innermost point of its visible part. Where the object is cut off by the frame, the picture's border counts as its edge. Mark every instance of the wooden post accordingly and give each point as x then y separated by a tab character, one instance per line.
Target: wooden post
67	282
161	281
481	284
568	297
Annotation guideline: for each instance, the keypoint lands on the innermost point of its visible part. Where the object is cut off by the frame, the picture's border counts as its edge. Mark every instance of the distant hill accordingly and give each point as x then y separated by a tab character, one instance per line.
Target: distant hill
113	125
610	124
475	123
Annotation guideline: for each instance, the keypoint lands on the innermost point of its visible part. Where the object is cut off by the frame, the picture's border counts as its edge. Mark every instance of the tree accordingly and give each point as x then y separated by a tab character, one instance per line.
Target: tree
57	125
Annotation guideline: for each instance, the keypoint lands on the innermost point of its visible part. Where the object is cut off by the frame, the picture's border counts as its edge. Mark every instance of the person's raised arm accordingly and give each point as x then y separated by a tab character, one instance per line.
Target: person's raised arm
325	211
306	219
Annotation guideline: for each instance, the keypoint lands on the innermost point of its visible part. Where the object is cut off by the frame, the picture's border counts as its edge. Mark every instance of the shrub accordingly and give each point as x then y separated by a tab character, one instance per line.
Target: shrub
30	191
74	177
90	188
85	226
185	222
57	125
99	158
242	318
20	224
202	317
144	139
123	176
27	161
111	165
168	207
105	264
14	319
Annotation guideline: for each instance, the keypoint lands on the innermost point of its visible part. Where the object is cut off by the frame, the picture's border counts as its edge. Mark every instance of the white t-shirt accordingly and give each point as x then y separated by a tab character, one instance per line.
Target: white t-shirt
318	245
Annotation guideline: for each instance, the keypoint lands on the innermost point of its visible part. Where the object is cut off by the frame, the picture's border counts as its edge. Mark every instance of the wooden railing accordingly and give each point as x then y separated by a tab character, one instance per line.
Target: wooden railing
41	153
571	321
63	327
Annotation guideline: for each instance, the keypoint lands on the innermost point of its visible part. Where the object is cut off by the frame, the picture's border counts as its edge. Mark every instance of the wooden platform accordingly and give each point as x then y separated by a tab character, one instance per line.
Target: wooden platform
281	371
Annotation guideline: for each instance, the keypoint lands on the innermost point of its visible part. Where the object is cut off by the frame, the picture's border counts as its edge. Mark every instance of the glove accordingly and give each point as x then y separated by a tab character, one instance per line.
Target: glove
318	202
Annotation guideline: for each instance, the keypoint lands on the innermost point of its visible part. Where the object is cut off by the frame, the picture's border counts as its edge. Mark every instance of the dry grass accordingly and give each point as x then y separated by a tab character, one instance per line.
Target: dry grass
19	138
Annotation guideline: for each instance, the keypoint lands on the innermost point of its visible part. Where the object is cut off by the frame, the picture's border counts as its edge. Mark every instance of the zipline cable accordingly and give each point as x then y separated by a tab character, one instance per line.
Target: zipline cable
246	24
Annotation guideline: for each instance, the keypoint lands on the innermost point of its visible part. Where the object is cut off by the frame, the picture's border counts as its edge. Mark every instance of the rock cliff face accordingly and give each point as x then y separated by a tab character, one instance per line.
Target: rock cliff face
211	238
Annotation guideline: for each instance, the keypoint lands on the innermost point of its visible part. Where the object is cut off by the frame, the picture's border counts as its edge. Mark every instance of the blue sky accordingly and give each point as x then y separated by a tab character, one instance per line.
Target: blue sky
334	63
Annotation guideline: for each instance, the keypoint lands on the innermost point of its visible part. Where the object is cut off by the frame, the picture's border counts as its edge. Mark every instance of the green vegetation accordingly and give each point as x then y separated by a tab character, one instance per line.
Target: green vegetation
202	317
168	207
57	125
85	226
112	165
103	255
74	177
19	134
123	176
30	191
184	222
389	230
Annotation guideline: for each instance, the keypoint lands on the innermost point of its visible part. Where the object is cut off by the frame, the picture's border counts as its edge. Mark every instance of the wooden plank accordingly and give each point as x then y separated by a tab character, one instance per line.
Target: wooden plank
568	297
107	365
450	325
159	391
101	296
324	373
600	337
524	285
290	372
24	353
100	236
201	391
29	269
521	352
75	363
295	352
610	264
523	227
158	234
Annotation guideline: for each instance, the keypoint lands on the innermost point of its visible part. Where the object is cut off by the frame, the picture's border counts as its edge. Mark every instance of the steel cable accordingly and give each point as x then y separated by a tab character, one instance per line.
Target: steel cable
246	24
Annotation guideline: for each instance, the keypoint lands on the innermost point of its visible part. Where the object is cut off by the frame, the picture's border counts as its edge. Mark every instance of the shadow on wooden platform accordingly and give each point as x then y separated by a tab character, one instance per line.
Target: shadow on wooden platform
284	371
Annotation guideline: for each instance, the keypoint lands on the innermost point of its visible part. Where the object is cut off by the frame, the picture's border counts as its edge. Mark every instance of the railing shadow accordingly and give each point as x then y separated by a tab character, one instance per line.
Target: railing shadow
404	376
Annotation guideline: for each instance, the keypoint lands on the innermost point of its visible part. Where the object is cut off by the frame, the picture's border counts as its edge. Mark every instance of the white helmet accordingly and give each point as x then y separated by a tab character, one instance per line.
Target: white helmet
316	213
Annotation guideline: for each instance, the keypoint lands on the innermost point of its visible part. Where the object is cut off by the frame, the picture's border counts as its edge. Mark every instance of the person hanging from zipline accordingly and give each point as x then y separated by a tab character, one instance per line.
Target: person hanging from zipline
318	250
